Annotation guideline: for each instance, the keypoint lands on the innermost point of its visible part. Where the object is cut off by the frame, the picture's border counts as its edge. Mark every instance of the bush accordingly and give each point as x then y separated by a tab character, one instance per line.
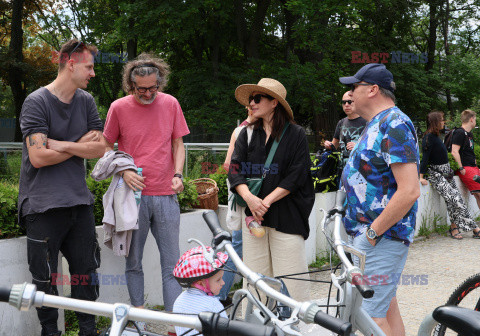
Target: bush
221	178
9	227
98	189
189	196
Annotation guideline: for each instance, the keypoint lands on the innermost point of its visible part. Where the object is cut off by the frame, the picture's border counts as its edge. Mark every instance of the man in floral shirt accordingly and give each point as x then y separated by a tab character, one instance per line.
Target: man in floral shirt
382	186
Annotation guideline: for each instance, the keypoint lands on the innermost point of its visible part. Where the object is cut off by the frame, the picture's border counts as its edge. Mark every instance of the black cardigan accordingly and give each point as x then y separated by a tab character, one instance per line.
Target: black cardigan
290	170
434	152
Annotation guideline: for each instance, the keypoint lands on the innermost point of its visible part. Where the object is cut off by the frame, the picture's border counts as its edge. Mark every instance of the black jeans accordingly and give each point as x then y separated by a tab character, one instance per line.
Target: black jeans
71	231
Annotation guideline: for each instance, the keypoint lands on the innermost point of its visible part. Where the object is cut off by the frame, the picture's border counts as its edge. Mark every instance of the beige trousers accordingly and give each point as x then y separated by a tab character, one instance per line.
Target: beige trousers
275	254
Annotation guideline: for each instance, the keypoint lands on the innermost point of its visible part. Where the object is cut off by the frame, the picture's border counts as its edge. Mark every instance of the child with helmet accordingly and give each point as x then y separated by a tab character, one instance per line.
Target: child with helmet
200	271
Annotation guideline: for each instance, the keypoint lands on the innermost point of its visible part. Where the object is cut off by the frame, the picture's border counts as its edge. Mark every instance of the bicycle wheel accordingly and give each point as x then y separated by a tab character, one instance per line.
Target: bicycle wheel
467	295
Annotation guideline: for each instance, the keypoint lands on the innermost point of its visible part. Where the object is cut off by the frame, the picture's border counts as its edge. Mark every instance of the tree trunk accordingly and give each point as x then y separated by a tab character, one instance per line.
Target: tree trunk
446	22
290	21
257	29
15	72
432	35
241	25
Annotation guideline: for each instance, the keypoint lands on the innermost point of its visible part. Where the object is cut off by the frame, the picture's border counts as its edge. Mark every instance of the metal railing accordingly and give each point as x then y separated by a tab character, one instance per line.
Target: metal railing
6	146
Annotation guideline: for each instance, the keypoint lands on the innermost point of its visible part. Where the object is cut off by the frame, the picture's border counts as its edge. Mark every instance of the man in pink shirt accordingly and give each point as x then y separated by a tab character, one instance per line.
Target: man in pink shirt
149	125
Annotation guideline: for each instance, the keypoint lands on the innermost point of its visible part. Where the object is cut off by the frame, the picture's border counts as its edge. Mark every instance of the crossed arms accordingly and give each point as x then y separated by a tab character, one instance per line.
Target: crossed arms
43	151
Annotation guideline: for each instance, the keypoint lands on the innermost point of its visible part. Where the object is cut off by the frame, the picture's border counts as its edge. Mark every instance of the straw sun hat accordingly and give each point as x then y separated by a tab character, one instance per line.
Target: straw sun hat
268	86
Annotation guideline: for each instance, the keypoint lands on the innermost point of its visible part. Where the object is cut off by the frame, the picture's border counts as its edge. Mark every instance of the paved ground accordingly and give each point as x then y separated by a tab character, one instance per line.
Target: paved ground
447	263
439	264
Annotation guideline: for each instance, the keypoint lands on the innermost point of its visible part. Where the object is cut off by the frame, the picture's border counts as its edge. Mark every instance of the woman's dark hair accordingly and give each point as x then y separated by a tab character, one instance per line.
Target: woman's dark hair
280	117
434	122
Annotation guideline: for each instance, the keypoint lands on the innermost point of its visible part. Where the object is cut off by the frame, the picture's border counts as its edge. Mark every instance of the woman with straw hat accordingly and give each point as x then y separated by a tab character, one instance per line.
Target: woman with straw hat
286	197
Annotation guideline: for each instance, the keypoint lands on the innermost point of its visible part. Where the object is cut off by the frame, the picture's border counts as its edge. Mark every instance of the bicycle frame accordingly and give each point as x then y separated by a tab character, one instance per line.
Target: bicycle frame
308	312
351	299
28	297
24	296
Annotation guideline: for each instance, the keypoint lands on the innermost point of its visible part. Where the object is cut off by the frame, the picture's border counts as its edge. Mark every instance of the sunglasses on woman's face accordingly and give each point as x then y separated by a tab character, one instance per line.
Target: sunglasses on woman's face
347	101
258	97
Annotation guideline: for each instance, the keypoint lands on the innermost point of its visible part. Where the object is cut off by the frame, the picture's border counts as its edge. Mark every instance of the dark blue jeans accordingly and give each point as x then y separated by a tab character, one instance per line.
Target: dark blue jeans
72	232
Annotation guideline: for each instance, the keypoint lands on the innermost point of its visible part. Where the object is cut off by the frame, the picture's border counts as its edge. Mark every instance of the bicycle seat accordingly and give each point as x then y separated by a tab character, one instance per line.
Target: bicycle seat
461	320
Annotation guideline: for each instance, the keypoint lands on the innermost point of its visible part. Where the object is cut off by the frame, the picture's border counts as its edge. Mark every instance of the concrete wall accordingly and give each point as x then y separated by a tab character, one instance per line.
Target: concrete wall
112	279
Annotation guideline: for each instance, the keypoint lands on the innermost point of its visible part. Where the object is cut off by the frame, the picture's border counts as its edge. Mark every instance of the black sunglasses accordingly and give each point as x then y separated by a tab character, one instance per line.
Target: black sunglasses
360	84
80	43
258	97
152	89
347	101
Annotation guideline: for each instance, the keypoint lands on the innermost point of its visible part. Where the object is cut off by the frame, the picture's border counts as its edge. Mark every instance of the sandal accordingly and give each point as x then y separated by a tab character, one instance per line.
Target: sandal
476	234
457	236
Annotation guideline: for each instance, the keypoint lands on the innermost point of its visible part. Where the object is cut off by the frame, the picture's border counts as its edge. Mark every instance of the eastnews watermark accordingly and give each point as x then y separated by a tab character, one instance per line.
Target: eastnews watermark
391	57
394	278
59	279
100	57
245	168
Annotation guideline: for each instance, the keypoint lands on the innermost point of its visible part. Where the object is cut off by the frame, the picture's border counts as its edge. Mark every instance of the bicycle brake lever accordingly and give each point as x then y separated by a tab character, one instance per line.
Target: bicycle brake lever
337	285
209	256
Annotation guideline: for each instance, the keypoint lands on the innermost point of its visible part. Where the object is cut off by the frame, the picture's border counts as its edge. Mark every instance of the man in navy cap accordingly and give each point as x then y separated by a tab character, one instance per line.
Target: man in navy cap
382	186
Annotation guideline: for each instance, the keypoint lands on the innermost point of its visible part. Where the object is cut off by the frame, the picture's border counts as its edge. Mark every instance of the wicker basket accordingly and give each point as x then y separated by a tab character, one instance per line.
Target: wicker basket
207	193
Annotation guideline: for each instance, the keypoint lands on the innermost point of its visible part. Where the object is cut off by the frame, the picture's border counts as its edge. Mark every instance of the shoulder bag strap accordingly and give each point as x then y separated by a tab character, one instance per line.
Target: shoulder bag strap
271	154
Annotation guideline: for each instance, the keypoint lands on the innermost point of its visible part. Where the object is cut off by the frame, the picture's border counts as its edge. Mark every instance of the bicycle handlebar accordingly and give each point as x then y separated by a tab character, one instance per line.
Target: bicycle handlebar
214	325
212	221
24	296
309	312
365	290
332	323
4	294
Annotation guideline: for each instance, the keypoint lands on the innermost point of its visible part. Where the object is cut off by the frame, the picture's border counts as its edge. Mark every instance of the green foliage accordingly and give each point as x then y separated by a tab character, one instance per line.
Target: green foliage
9	227
434	224
221	178
10	164
324	260
98	189
189	196
71	323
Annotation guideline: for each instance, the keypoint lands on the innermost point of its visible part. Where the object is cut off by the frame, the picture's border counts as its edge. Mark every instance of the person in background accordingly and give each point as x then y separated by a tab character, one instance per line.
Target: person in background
149	125
440	176
382	188
286	197
462	152
61	127
348	129
235	215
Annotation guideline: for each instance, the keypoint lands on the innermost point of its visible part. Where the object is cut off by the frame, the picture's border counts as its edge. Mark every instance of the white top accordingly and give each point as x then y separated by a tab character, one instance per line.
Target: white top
194	301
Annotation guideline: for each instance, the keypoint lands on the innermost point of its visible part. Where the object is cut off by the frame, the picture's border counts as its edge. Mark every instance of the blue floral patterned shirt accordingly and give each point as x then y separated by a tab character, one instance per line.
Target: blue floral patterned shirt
368	179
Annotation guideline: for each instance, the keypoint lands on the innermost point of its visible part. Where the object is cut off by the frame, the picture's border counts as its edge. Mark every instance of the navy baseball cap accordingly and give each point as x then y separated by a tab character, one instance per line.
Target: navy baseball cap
373	73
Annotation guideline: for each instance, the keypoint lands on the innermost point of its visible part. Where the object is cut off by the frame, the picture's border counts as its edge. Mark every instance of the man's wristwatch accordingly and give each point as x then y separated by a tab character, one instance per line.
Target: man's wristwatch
180	176
371	234
461	168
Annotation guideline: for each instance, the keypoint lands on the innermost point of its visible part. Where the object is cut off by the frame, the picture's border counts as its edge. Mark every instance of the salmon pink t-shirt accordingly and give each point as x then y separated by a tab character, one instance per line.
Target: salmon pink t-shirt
146	133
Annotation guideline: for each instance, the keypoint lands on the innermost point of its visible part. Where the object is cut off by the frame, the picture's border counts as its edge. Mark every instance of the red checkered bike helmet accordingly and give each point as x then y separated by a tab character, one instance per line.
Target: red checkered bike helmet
196	264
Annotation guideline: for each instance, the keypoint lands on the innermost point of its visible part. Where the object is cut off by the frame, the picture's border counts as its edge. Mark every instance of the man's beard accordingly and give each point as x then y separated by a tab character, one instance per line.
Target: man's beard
147	101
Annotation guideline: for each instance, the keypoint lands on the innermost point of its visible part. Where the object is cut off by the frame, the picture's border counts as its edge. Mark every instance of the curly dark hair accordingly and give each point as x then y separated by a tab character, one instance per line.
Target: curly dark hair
144	65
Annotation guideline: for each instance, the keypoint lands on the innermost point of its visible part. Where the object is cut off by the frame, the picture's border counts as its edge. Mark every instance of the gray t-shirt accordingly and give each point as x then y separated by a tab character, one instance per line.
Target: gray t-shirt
348	130
63	184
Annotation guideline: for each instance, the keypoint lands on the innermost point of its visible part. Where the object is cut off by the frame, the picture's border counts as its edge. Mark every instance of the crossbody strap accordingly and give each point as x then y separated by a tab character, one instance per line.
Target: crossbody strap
271	154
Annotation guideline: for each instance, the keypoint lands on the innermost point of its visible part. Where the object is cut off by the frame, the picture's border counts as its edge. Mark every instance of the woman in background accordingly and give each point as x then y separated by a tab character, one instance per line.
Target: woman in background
440	175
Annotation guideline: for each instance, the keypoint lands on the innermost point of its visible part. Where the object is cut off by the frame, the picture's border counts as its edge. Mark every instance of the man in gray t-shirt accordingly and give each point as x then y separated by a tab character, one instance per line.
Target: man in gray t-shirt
61	127
348	129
